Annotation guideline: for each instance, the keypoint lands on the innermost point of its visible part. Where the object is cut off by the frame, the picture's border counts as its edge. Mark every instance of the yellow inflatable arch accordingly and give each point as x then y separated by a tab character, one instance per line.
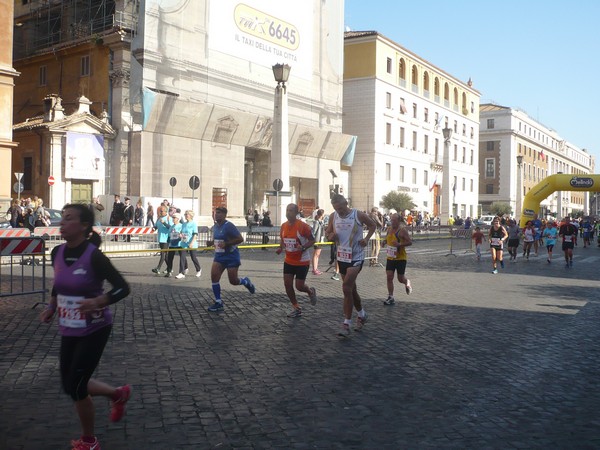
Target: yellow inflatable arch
559	182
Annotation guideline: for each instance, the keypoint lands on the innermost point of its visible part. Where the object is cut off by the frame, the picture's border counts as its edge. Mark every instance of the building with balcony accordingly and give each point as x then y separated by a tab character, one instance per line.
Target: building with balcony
516	152
398	104
188	89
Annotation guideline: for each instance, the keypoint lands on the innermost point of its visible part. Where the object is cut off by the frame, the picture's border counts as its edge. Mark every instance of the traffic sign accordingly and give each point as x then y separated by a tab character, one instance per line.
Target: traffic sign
278	184
173	181
194	182
18	187
280	193
50	180
19	175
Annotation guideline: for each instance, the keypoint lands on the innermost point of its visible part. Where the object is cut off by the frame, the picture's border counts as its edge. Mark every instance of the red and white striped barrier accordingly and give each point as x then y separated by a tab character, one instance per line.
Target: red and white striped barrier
128	230
15	232
50	231
15	247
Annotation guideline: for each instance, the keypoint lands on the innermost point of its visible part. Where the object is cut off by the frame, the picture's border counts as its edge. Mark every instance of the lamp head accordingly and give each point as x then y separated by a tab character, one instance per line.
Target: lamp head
333	174
520	159
447	133
281	72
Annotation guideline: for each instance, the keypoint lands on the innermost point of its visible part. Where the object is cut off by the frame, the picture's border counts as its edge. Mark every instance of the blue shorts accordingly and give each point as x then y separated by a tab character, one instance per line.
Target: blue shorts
229	261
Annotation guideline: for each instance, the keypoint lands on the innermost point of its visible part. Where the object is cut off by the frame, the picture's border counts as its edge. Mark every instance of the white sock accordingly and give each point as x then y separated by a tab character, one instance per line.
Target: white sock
348	321
361	313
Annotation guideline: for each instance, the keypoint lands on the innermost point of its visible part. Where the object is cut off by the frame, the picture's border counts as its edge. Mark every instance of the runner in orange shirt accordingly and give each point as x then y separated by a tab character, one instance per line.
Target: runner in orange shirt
296	240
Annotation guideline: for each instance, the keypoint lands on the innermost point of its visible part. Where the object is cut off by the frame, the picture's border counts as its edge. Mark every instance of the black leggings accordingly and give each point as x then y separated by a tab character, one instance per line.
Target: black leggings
79	357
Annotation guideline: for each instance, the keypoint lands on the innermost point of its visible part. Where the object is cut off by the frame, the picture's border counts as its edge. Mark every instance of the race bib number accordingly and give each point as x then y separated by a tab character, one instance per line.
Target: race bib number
219	246
496	241
290	245
174	235
344	254
392	252
69	314
568	238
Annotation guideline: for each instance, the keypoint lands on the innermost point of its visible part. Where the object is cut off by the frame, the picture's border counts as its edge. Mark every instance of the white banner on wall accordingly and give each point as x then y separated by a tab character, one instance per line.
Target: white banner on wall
265	32
84	156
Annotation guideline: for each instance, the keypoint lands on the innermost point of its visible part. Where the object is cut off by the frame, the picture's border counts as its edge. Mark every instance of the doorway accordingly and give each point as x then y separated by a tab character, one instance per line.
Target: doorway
81	191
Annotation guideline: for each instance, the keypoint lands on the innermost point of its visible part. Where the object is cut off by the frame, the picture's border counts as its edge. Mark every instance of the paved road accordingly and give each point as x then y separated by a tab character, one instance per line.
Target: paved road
469	360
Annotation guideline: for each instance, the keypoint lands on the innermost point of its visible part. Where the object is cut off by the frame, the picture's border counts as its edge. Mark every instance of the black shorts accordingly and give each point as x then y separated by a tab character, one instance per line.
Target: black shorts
567	246
396	264
300	272
345	265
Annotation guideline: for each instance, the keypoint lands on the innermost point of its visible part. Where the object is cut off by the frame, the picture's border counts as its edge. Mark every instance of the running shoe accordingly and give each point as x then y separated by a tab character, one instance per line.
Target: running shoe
502	264
317	272
360	322
571	263
408	287
168	274
312	295
155	270
548	261
495	271
79	444
199	273
180	276
335	276
567	265
251	288
217	307
344	331
185	272
117	409
297	312
389	301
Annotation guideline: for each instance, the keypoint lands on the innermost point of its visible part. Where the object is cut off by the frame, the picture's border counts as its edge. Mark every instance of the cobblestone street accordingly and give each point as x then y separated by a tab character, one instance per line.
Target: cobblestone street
469	360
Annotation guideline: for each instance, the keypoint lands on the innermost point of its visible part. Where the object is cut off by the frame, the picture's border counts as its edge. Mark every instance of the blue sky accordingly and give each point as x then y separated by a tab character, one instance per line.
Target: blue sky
542	57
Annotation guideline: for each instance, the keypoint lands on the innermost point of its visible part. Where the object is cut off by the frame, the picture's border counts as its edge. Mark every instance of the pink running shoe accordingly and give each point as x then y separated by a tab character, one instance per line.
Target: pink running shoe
79	444
117	410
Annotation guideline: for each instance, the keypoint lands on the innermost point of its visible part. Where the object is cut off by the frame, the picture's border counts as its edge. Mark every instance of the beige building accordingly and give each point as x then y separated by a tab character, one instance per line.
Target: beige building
507	136
7	77
398	105
190	92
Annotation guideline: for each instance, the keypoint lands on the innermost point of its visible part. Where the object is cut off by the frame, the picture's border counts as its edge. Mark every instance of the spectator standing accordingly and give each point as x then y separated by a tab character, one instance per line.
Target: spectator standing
374	215
138	214
96	207
150	215
175	238
163	225
318	231
189	241
266	222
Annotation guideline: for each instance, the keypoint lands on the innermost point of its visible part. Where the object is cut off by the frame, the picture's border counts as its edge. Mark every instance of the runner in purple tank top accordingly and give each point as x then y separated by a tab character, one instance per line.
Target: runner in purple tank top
85	321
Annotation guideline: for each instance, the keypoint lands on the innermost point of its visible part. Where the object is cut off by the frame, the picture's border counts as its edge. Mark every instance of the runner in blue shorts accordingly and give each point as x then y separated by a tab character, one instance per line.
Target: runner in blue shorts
226	238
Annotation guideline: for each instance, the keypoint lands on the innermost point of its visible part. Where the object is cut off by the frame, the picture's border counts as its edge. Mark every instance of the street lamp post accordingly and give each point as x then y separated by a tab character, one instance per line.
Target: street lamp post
519	199
280	154
446	199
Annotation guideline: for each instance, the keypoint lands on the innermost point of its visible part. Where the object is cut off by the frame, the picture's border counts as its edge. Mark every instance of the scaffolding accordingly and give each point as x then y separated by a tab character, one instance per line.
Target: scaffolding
52	23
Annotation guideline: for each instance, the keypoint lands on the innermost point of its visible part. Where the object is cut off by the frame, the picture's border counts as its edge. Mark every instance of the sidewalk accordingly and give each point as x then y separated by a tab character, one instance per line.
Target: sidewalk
469	360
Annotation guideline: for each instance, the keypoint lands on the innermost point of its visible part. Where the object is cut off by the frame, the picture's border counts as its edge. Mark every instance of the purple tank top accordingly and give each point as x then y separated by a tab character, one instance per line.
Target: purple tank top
72	283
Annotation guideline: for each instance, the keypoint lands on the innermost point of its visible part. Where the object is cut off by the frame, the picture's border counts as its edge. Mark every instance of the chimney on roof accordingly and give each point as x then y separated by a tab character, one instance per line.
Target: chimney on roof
84	105
53	109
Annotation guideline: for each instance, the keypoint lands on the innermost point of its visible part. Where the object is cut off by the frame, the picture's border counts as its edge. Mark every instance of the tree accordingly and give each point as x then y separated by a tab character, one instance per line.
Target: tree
500	209
398	201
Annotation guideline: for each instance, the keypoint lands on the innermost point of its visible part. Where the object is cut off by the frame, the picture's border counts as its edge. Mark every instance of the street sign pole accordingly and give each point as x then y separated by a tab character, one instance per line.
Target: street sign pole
19	175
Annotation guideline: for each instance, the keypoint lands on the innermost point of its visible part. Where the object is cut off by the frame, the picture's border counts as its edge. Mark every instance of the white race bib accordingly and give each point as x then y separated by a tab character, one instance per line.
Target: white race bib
344	254
496	241
219	246
69	314
392	252
568	238
174	235
290	245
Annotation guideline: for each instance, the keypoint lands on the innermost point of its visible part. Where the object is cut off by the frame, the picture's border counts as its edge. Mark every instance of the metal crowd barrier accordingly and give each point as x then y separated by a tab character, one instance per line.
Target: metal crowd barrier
23	271
461	238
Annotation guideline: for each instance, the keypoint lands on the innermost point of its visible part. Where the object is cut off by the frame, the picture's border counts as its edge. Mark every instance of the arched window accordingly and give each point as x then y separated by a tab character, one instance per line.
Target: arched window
402	69
426	81
436	87
455	96
465	111
415	76
446	92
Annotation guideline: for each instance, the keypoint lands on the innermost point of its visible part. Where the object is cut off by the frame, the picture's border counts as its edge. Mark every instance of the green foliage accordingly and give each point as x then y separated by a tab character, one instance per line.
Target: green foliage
398	201
500	209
